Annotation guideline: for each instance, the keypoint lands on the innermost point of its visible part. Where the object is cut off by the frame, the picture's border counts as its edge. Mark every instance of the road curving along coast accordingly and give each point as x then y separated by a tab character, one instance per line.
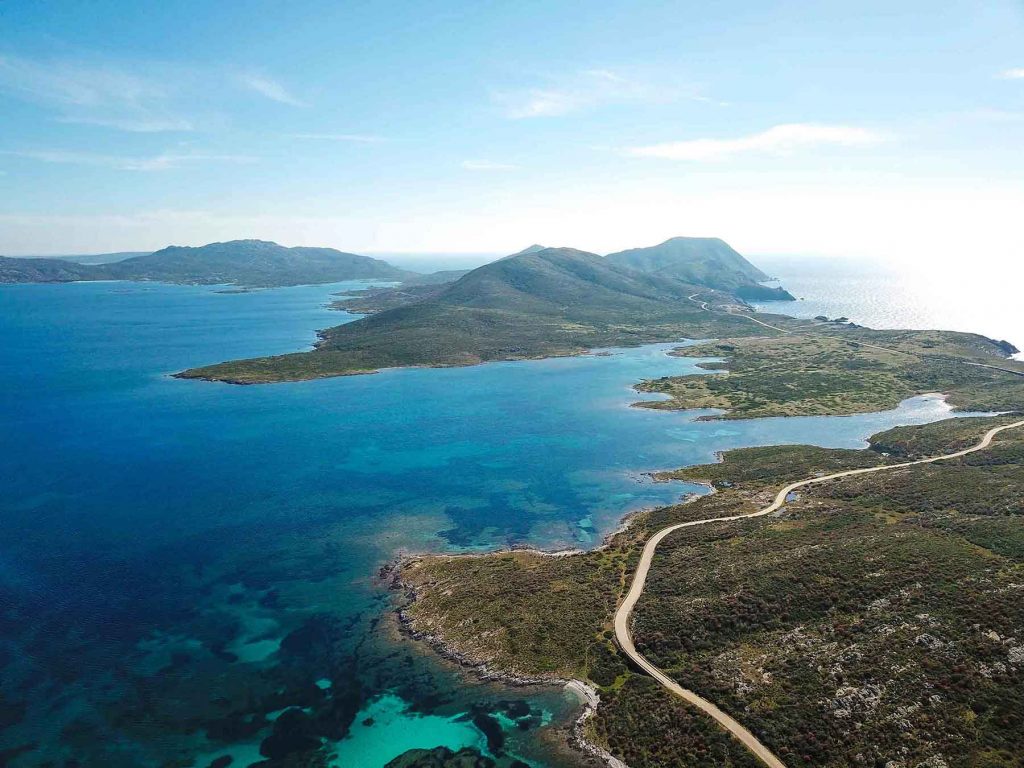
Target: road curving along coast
624	613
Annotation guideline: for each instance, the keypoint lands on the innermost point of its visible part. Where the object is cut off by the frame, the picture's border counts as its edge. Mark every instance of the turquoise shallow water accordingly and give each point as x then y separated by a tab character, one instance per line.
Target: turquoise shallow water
392	731
184	565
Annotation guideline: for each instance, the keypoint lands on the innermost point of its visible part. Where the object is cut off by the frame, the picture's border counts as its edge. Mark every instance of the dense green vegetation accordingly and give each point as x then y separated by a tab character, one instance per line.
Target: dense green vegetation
875	620
254	263
467	601
868	619
542	303
826	370
643	724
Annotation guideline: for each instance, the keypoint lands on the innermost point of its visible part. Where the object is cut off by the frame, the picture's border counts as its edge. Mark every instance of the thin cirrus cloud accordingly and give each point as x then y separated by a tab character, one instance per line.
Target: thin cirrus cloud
540	103
89	93
138	124
354	138
160	162
139	97
1013	74
271	89
779	140
487	165
76	83
585	89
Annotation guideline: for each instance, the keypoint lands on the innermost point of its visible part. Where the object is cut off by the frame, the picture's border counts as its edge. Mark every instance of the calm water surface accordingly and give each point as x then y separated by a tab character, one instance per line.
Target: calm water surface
960	297
182	561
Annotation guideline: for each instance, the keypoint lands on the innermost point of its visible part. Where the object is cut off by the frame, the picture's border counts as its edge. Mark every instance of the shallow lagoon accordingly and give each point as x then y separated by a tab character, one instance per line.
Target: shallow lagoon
181	558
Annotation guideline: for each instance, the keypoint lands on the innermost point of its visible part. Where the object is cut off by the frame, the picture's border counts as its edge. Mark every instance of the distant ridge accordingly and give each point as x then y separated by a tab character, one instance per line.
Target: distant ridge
701	262
539	302
552	301
436	278
255	263
707	261
698	261
529	249
90	258
14	270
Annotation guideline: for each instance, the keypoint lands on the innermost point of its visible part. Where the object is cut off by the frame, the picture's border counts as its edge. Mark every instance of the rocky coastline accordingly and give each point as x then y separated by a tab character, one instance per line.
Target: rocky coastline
593	754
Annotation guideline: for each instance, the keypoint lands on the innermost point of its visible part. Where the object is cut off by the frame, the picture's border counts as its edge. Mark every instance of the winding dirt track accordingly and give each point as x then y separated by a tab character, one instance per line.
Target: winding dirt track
625	611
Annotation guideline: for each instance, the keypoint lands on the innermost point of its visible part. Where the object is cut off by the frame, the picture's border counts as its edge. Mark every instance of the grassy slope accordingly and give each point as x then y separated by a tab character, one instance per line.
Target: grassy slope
552	302
861	620
831	371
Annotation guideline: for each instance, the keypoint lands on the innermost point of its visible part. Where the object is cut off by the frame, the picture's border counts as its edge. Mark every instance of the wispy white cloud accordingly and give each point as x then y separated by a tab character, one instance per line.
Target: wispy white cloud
1013	74
270	88
585	89
355	138
140	96
779	140
75	83
86	92
540	103
139	124
159	162
487	165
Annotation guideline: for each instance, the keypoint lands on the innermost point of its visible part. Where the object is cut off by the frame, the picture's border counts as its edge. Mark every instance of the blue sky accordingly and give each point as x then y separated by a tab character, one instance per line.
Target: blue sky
842	129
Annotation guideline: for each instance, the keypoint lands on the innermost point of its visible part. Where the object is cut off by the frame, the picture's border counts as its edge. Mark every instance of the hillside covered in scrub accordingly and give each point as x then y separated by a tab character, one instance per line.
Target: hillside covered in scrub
874	620
552	301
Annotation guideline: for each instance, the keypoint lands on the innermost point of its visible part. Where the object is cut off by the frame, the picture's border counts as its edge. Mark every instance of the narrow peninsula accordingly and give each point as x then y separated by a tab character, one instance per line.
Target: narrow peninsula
541	302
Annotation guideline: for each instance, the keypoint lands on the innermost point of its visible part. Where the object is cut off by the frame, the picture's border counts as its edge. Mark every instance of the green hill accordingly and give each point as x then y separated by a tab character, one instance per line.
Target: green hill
706	261
556	301
554	280
255	263
42	271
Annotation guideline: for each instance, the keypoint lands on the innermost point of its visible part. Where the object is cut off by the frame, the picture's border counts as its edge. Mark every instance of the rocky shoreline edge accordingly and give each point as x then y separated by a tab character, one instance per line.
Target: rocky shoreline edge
390	576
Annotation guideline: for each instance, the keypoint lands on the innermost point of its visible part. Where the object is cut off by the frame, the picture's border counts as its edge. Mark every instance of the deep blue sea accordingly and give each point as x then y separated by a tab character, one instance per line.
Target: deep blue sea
183	561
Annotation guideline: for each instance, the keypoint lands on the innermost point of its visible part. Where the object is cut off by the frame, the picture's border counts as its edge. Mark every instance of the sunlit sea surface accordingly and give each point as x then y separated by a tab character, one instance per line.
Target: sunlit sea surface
186	567
973	295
